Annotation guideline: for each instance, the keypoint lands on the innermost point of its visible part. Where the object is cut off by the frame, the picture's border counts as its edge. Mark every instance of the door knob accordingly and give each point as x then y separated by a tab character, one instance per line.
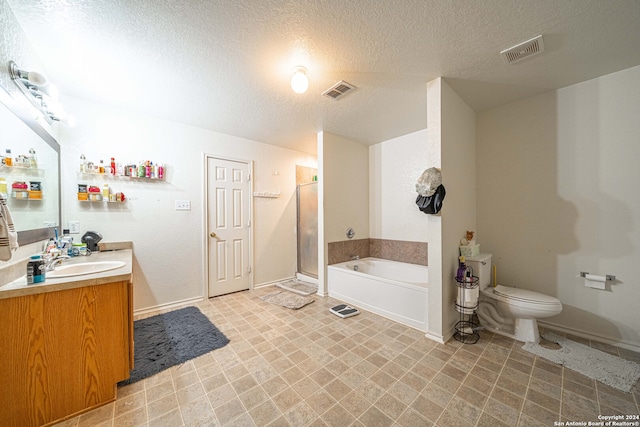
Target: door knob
212	234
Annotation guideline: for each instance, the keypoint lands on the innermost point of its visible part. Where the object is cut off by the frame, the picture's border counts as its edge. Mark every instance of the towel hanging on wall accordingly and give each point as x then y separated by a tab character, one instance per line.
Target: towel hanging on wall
8	234
430	191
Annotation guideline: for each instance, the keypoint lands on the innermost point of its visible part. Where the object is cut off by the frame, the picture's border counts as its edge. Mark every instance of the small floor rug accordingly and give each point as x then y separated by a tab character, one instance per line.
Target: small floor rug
170	339
287	299
297	287
608	369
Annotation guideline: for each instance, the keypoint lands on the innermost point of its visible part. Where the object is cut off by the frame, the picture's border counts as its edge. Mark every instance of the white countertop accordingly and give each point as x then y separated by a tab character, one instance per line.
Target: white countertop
20	287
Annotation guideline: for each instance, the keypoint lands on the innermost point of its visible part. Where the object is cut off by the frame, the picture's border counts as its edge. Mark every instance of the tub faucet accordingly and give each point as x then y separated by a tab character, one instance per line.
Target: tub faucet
354	257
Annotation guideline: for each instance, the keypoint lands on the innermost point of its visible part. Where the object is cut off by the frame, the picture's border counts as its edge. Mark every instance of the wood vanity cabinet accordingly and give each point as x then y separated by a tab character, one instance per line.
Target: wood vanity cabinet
63	352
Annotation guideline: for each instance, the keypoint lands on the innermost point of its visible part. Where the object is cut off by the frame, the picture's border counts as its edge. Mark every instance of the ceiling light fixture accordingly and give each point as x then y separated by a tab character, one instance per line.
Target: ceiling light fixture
299	80
35	88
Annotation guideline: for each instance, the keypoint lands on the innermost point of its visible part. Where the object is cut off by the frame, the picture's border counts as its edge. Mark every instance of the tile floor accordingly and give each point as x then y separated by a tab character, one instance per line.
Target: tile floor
311	368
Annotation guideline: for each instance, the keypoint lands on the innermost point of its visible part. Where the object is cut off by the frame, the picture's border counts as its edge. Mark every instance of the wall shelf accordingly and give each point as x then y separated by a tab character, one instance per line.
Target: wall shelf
98	176
267	194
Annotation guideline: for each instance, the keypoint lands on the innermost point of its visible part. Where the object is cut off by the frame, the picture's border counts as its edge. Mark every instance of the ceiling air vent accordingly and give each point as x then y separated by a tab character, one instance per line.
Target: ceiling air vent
523	50
339	90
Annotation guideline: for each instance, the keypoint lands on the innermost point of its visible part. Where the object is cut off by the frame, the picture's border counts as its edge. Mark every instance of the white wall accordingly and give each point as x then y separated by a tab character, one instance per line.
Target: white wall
558	194
458	148
168	244
394	167
346	188
451	146
343	171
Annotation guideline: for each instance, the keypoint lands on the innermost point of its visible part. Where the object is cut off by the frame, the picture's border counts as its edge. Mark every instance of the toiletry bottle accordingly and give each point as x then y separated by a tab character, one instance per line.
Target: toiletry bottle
462	269
113	166
101	167
141	169
83	164
160	171
147	169
8	160
3	187
105	192
33	161
35	270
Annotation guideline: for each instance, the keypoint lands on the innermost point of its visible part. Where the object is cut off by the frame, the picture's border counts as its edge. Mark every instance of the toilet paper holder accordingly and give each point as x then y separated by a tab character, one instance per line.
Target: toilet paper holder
608	276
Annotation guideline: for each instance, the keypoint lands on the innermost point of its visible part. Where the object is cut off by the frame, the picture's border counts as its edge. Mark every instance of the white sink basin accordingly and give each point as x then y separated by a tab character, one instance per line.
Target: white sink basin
83	268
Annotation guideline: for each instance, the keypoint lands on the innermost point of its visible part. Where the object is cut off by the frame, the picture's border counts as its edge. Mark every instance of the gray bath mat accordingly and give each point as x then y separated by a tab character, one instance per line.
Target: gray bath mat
170	339
598	365
297	287
287	299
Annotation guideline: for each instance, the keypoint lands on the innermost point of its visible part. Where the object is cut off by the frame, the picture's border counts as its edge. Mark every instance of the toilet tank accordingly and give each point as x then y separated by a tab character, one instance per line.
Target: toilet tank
481	266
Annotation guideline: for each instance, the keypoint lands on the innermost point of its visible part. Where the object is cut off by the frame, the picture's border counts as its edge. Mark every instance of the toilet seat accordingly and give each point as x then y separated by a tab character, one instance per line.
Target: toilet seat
524	295
525	299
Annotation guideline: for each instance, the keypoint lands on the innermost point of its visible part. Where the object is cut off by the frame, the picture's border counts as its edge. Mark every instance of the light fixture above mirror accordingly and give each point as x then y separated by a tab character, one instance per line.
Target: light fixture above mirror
40	93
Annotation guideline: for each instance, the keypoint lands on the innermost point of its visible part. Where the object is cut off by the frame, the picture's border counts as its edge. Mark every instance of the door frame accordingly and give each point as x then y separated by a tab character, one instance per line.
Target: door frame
205	219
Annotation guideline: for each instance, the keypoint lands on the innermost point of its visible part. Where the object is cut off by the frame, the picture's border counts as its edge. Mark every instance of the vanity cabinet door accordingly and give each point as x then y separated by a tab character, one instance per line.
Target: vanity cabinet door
62	352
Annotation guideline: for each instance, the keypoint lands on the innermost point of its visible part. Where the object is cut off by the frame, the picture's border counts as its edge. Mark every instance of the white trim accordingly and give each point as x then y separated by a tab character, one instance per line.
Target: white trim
168	306
304	278
273	282
436	338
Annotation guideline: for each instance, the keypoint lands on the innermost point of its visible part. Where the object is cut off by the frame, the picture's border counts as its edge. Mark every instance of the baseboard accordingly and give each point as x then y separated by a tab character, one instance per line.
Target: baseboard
437	338
582	334
168	306
308	279
271	283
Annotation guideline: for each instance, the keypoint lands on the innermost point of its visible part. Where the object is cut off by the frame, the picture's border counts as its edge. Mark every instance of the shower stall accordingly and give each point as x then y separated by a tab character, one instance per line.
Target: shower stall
307	230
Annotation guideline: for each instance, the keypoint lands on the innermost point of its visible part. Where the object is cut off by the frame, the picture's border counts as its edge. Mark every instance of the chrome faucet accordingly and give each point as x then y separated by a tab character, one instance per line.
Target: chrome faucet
51	264
354	257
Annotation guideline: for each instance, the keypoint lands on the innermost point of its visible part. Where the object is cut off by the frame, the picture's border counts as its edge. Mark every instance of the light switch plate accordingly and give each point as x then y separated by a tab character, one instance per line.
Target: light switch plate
183	205
74	227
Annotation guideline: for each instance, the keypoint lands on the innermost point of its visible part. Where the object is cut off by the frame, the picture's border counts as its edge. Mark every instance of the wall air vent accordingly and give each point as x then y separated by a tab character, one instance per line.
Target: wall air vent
339	90
523	50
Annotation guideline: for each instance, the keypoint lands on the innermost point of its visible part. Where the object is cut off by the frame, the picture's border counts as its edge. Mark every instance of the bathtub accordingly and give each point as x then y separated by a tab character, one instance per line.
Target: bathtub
395	290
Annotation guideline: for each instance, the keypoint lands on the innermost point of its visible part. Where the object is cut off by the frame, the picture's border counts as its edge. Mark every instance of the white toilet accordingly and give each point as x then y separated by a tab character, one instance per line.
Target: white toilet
509	311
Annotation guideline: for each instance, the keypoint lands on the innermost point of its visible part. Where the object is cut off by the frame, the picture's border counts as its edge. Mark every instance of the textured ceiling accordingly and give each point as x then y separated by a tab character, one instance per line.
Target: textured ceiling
225	65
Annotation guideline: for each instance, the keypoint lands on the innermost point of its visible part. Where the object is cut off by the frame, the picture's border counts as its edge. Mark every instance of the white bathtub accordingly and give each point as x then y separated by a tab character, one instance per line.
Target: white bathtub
395	290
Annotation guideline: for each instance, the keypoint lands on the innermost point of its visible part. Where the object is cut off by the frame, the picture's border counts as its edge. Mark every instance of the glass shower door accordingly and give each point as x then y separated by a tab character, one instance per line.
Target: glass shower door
307	198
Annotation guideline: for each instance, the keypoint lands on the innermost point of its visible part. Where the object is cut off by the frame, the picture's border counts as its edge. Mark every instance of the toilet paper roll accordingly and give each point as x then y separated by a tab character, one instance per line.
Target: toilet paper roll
467	300
593	281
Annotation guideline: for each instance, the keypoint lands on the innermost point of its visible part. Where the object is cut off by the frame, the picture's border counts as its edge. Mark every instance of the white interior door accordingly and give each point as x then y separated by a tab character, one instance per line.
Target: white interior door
228	219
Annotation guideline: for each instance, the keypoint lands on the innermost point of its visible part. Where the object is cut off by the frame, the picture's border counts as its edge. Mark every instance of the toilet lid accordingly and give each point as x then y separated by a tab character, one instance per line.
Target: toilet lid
524	295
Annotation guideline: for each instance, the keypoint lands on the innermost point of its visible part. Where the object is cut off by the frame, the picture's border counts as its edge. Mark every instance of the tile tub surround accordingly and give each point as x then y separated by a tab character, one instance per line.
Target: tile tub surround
393	250
310	368
343	250
399	250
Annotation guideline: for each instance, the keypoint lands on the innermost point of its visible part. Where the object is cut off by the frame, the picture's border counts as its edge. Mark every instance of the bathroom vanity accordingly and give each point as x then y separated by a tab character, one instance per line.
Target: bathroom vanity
65	343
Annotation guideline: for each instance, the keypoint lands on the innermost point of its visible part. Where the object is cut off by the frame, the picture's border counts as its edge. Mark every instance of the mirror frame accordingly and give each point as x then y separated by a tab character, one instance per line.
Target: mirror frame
26	237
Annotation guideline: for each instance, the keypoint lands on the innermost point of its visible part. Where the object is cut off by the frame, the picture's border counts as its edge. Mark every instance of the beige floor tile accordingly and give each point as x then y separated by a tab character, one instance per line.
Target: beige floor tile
373	417
163	406
309	368
300	415
337	416
391	406
264	413
169	419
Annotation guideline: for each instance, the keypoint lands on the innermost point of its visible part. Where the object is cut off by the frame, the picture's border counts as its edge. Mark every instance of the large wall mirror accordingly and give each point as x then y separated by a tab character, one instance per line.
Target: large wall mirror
35	209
